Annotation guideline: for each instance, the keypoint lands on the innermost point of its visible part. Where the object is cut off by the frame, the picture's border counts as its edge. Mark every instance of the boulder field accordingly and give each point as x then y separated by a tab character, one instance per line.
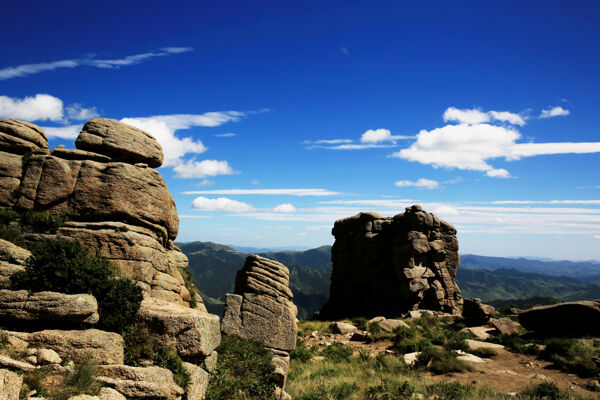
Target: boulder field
388	266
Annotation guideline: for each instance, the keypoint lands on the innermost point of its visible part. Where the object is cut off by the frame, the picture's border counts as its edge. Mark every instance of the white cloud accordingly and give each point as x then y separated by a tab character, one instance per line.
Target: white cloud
474	116
596	236
163	128
422	183
356	146
557	111
469	146
276	192
63	132
229	134
546	202
328	141
446	210
202	169
205	182
41	107
220	204
79	113
509	117
30	69
381	135
284	208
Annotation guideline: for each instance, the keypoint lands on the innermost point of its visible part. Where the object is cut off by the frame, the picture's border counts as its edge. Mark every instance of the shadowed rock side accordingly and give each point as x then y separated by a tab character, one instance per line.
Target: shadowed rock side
262	309
576	318
118	207
388	266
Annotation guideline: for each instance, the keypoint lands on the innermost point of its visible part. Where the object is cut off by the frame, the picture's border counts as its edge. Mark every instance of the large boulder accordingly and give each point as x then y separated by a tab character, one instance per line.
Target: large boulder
198	382
10	385
475	312
120	141
192	332
12	260
101	347
139	382
22	305
21	137
572	318
11	170
389	266
262	307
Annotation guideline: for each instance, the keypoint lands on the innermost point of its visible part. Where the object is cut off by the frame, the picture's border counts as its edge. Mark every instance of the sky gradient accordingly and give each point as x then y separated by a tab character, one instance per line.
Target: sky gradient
277	118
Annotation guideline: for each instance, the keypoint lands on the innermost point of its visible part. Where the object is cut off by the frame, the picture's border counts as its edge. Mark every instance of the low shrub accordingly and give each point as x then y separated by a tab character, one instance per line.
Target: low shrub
337	352
484	352
244	371
450	391
343	390
13	236
301	353
572	355
326	372
516	344
318	393
42	221
140	345
441	361
66	267
390	390
546	391
391	364
7	215
360	323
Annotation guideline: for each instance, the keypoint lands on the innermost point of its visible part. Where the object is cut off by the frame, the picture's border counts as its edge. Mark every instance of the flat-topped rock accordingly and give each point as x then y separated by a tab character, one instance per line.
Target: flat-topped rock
22	305
102	347
121	141
572	318
193	333
21	137
139	382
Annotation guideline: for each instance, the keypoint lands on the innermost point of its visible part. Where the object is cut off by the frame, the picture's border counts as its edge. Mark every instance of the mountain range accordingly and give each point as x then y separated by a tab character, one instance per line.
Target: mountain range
497	280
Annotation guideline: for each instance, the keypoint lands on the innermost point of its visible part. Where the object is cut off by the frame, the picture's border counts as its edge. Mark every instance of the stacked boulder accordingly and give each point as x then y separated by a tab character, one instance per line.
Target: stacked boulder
119	207
389	266
262	309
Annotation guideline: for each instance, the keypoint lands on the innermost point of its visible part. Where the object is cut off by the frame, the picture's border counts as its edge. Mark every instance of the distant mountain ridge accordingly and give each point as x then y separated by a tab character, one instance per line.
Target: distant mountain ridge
490	278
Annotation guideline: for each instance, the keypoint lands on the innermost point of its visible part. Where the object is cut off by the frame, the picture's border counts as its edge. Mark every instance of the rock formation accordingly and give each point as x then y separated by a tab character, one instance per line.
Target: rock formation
388	266
262	309
117	206
572	318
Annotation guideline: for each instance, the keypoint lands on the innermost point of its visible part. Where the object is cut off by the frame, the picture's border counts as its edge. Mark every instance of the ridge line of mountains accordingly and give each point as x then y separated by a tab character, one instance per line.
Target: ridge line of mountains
503	282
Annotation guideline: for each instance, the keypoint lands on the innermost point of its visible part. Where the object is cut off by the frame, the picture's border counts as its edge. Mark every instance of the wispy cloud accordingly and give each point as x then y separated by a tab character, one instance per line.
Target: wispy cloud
31	69
420	183
229	134
370	139
470	144
276	192
557	111
202	169
477	116
328	141
546	202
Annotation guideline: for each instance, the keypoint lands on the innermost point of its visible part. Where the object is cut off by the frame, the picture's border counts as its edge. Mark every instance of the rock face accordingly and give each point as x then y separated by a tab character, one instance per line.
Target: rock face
10	385
117	206
475	312
573	318
21	305
262	309
388	266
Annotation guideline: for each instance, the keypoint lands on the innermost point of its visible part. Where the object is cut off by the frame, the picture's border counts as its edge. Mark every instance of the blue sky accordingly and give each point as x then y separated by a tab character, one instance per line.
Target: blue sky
277	118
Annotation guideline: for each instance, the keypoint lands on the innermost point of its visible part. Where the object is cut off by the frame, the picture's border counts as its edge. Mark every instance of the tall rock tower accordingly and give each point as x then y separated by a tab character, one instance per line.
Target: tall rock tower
387	266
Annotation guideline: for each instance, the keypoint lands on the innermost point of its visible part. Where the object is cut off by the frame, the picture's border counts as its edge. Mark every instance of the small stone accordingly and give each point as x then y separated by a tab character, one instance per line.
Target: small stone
342	327
47	356
411	358
6	361
390	325
504	325
359	337
110	394
476	344
375	320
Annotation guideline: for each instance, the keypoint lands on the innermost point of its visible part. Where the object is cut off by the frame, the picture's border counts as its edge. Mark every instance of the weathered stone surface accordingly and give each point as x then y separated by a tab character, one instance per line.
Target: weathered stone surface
90	190
22	305
262	307
574	318
139	382
119	140
390	325
504	325
10	385
341	327
192	332
210	362
8	362
463	356
102	347
12	260
198	382
479	332
11	170
395	264
475	312
21	137
477	344
47	356
375	319
76	154
110	394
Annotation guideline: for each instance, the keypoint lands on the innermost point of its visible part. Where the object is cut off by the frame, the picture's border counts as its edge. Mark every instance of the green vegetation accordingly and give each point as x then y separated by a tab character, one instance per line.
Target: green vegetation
337	353
66	267
12	235
390	390
140	345
42	221
441	361
484	352
244	371
7	215
301	353
450	391
188	280
547	391
572	355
